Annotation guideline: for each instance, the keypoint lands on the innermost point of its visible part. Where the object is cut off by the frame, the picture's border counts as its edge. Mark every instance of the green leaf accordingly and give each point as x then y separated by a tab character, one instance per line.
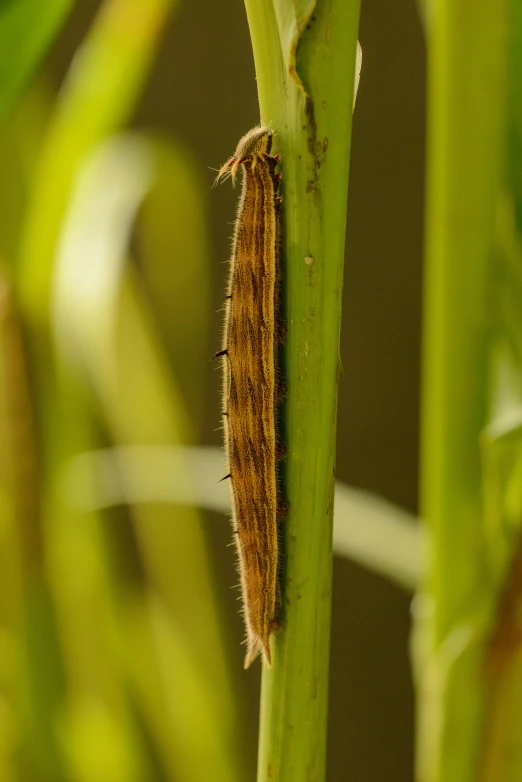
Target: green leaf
27	29
105	329
467	91
97	97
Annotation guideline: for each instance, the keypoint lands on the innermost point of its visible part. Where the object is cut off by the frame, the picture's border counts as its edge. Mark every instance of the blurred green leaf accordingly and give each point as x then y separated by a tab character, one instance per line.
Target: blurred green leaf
367	529
174	259
106	334
97	97
27	28
99	93
470	435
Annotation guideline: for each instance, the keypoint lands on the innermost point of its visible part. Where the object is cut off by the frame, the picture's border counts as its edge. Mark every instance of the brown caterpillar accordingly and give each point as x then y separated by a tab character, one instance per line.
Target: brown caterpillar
251	389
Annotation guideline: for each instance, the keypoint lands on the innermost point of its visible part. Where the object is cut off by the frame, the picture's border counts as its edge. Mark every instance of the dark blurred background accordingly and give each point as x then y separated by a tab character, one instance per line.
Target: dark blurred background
202	91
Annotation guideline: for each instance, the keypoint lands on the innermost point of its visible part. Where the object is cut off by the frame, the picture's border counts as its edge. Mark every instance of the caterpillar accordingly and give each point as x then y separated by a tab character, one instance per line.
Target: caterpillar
251	385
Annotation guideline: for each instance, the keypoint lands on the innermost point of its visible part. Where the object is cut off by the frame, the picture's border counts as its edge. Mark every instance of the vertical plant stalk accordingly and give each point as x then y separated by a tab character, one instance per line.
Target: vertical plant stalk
305	73
33	700
467	63
21	436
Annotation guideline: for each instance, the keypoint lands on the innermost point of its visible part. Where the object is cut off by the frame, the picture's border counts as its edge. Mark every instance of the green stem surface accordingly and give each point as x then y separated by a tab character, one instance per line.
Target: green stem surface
305	60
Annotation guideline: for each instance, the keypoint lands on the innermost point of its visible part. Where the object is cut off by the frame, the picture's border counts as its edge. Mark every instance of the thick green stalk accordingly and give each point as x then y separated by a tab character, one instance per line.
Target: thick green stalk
308	103
467	63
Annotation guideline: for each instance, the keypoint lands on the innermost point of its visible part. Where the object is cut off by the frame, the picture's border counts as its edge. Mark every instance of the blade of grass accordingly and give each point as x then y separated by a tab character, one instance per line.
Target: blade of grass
21	564
105	328
27	28
164	247
98	96
100	93
467	72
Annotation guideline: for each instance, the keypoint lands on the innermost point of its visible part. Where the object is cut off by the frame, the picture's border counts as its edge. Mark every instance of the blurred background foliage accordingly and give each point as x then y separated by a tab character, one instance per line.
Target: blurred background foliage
119	629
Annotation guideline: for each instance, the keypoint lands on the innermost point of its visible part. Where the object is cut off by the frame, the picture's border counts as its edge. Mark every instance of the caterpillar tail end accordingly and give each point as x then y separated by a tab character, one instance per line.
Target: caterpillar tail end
256	644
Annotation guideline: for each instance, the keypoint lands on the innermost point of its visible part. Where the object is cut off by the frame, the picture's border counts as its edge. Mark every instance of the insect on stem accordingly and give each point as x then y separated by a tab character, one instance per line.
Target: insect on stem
252	388
250	385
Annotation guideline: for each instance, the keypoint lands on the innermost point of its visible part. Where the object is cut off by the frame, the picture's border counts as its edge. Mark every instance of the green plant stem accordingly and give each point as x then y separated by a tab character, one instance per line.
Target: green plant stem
20	433
308	101
467	62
